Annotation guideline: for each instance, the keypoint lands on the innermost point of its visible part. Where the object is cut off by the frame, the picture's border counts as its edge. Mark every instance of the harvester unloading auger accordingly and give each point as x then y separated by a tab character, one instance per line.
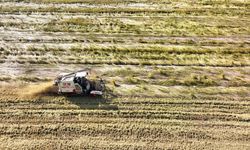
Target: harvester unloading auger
79	83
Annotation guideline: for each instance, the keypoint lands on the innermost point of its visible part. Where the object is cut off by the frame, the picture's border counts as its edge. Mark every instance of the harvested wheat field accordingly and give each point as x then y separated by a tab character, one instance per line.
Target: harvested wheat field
177	74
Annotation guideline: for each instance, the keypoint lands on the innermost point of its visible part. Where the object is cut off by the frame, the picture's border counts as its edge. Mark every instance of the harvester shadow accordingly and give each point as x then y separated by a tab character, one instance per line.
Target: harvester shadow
103	102
92	102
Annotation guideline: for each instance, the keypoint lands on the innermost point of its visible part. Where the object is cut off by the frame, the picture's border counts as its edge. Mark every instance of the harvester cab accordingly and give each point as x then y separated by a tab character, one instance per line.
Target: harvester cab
79	83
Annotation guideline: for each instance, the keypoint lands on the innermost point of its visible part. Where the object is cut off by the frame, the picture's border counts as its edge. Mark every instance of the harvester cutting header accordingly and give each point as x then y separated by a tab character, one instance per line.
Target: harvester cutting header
79	83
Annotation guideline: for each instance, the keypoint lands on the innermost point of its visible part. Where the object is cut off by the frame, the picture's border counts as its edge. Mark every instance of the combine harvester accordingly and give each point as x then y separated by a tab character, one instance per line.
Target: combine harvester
78	83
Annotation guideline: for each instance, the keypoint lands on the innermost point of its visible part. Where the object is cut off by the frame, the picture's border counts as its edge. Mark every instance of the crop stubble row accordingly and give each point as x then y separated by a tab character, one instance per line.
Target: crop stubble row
197	114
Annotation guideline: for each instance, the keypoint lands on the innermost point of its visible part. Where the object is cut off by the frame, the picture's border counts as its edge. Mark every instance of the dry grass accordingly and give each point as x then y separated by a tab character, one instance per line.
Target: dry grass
176	72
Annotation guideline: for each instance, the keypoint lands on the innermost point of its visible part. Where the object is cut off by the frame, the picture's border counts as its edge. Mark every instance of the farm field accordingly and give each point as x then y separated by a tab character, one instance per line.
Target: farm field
177	74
